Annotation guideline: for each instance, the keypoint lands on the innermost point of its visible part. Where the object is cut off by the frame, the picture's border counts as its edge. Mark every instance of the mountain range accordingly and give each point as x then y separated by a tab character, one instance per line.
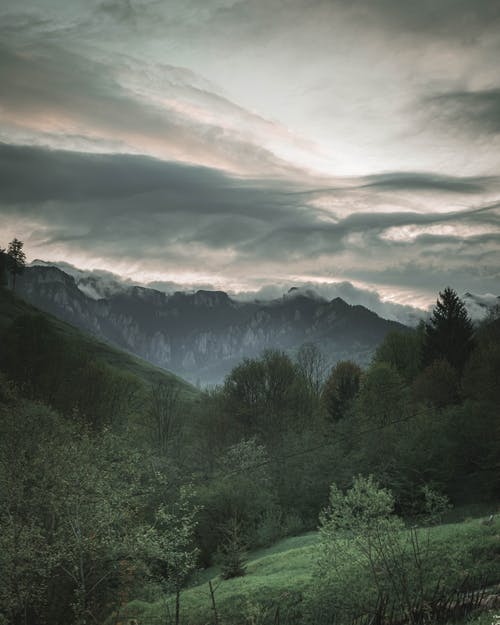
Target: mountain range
202	335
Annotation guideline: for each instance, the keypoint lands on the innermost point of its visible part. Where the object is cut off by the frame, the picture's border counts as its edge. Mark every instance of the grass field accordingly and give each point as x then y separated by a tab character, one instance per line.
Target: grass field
283	574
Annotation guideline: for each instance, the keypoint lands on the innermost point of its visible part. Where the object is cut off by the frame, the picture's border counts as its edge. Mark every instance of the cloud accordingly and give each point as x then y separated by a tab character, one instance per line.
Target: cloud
50	94
369	298
472	112
422	181
254	88
235	143
154	221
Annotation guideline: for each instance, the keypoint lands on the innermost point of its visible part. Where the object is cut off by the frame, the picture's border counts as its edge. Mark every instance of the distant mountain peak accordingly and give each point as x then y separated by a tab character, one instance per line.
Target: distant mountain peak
479	306
303	292
211	298
203	334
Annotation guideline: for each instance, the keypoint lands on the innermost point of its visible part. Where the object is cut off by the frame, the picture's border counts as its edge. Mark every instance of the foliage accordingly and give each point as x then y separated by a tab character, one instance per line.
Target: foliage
16	259
120	483
482	372
403	351
312	367
263	393
231	553
48	368
438	384
382	396
449	334
169	545
362	538
242	491
74	509
283	576
164	414
3	267
341	388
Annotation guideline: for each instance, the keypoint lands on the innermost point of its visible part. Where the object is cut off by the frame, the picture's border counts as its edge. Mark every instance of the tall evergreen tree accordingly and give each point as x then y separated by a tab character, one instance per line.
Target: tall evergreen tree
17	259
449	334
3	267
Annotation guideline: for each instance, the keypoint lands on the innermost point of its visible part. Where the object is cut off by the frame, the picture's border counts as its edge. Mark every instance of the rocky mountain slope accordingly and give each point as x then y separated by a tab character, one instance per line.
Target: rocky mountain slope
201	336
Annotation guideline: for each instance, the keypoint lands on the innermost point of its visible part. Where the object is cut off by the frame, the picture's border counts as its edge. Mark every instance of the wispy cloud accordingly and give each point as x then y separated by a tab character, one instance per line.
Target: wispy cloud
241	143
153	220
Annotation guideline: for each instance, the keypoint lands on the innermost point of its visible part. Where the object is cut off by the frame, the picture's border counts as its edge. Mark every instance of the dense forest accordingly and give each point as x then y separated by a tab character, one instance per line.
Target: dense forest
119	484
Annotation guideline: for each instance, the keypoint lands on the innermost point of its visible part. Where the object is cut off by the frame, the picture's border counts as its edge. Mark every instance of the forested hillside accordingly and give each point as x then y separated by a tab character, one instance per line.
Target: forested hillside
118	482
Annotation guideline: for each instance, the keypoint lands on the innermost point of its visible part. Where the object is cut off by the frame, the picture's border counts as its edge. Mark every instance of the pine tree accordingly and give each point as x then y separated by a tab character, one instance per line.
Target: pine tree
17	259
3	267
449	334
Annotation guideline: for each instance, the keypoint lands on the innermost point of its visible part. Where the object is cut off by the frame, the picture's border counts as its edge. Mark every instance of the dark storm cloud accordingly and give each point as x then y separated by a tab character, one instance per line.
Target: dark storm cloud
73	177
133	203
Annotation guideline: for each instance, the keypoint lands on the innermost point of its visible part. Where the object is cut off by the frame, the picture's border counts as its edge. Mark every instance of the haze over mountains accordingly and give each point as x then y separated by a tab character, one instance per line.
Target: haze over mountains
202	335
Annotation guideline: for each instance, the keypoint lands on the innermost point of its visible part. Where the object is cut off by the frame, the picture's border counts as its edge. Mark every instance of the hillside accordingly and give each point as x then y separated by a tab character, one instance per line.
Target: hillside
13	307
282	575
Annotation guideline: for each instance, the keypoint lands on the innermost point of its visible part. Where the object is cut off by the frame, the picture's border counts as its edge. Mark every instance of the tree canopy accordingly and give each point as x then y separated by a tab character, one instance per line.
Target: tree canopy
449	334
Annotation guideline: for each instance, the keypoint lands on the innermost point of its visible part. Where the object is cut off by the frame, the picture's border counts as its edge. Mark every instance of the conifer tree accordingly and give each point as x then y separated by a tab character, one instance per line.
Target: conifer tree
3	267
17	259
449	334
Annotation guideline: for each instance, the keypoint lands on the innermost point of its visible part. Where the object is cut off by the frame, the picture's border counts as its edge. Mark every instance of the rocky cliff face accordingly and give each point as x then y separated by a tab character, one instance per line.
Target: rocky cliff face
202	335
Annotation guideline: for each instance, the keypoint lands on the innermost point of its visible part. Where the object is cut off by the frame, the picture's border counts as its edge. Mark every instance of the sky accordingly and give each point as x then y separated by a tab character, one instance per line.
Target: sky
254	145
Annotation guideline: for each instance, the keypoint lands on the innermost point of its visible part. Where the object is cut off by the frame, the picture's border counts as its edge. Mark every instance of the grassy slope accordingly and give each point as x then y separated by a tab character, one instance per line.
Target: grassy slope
12	306
282	572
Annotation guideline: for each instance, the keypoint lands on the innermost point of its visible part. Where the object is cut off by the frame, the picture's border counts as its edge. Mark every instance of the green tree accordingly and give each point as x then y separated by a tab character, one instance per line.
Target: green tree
231	554
164	414
169	544
313	367
437	384
263	394
17	259
242	488
3	267
31	356
341	388
364	545
382	396
402	350
449	334
92	490
25	550
482	372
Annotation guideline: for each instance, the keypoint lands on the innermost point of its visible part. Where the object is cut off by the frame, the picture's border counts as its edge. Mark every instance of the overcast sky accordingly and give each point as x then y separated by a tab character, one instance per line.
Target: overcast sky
242	144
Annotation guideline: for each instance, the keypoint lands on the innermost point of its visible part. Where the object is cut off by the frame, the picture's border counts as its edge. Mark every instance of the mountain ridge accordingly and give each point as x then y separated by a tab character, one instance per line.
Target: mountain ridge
202	335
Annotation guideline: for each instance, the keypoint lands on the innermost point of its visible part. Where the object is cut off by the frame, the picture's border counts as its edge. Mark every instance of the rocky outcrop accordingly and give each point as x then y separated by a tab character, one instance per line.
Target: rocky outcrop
202	335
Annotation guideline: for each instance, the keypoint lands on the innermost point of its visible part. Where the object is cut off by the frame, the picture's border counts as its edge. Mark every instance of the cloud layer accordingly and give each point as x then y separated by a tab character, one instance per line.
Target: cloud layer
244	144
152	220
